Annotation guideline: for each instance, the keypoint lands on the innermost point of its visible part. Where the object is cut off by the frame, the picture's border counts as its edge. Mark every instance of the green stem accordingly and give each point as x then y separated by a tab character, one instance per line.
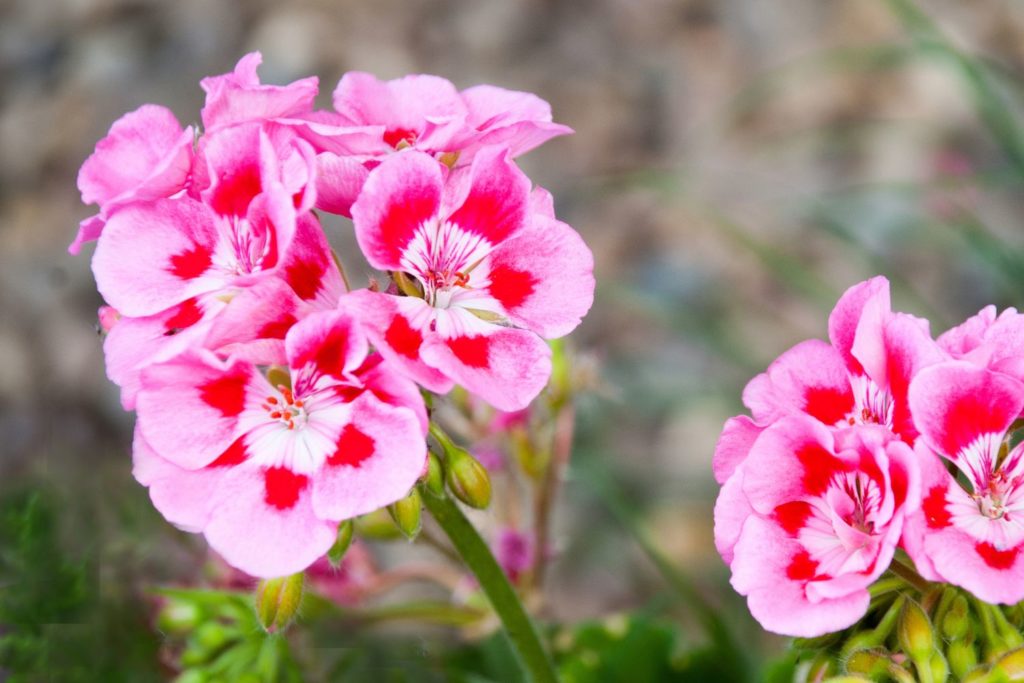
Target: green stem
478	557
909	575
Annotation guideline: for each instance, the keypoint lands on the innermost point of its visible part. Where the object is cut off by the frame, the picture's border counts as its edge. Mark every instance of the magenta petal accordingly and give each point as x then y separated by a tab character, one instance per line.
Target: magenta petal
496	199
955	403
327	343
732	509
543	277
381	453
738	435
339	181
968	335
88	230
870	298
399	196
239	96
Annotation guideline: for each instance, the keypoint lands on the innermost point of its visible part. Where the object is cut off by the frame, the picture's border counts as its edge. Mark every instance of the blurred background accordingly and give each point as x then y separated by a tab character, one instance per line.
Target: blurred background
737	164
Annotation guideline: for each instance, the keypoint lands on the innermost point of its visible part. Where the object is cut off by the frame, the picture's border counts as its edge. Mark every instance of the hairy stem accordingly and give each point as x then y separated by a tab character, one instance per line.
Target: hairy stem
478	557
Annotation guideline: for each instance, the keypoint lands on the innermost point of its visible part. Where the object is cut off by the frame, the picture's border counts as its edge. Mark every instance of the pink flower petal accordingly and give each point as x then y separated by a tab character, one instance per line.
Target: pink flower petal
869	298
543	277
339	181
239	96
327	343
491	198
738	435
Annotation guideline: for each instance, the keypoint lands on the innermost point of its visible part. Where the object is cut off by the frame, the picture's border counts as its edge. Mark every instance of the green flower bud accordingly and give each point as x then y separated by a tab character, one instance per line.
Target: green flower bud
278	600
915	633
939	667
377	525
873	664
178	617
1012	664
962	657
467	478
212	636
191	676
407	514
346	530
433	480
957	620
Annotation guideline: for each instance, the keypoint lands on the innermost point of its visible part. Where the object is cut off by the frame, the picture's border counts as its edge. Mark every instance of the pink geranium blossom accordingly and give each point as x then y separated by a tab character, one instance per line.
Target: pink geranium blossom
971	537
811	518
991	341
146	155
861	377
495	273
267	472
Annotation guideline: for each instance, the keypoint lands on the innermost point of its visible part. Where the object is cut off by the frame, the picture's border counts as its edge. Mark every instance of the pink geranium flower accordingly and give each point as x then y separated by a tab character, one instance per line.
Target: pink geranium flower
495	272
811	518
146	155
239	96
861	377
988	340
267	472
971	537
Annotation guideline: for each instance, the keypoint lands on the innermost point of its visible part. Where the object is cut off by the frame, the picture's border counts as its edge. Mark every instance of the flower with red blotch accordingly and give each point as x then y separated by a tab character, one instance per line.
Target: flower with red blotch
494	271
146	155
267	472
989	341
425	113
860	378
814	520
974	537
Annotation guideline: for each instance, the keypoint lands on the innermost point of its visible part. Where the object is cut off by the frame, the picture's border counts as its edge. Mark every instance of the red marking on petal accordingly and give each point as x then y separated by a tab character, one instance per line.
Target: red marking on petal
828	404
793	516
282	487
235	192
405	340
934	508
995	558
327	356
277	329
235	454
353	447
472	351
226	394
304	277
405	215
511	287
802	567
820	467
970	417
395	136
188	314
191	263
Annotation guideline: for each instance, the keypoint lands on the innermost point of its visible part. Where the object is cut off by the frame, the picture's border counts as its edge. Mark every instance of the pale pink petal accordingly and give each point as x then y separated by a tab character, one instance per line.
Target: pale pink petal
135	343
88	230
955	403
264	523
732	509
810	378
504	366
399	196
393	388
146	155
380	454
969	334
339	181
253	324
769	568
932	516
543	277
239	96
870	298
155	255
184	497
397	326
189	407
518	120
738	435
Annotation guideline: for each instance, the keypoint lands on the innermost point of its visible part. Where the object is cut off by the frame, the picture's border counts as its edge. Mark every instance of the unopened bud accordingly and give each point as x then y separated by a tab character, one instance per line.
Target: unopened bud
407	514
278	600
212	636
916	636
178	617
957	619
433	480
962	658
1012	664
191	676
871	663
467	478
939	667
377	525
346	530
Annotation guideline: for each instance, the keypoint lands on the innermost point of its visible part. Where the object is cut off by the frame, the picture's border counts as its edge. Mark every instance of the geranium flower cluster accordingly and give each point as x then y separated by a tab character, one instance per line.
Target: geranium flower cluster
882	438
272	402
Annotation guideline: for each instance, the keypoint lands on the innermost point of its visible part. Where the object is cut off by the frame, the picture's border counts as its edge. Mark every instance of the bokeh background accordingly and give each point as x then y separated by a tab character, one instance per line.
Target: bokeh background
736	165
